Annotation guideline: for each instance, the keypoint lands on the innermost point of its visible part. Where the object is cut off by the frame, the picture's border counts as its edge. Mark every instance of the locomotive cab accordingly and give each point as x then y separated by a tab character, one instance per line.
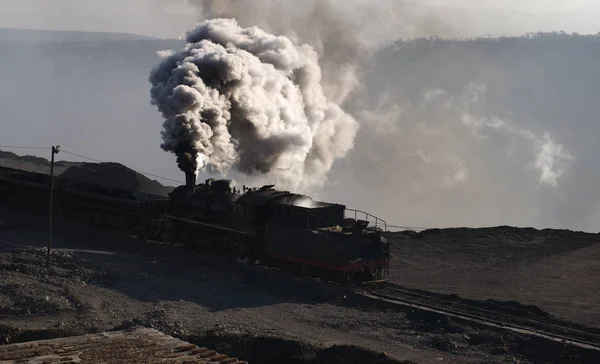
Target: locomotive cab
315	235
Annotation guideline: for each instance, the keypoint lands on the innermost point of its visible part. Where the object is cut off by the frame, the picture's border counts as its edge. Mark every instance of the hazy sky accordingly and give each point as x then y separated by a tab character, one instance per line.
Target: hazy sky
534	6
170	18
453	143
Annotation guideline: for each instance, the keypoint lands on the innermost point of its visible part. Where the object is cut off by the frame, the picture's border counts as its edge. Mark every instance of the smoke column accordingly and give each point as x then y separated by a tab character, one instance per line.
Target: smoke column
319	23
242	98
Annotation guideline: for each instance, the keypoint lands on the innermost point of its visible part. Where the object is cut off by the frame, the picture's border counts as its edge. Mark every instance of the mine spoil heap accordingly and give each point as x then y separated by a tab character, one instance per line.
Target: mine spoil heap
111	175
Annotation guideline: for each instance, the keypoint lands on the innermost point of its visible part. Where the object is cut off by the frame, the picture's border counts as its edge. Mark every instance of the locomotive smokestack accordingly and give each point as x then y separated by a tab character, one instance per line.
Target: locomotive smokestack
190	179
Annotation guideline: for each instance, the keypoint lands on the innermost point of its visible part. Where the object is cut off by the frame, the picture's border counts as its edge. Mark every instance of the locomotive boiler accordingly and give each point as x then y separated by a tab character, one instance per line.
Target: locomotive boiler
214	200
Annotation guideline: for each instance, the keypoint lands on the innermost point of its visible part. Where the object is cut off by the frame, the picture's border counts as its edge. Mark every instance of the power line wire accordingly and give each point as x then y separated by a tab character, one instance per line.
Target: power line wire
81	156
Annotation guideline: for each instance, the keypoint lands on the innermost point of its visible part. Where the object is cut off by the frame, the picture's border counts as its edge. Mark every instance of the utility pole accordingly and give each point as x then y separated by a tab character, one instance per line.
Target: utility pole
55	150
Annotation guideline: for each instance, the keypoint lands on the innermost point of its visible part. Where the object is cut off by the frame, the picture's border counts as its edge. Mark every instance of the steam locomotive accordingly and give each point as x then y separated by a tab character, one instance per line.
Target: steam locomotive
256	225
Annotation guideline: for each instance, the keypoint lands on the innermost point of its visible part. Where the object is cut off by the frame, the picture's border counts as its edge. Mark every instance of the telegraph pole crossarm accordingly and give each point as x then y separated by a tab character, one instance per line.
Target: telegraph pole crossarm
55	150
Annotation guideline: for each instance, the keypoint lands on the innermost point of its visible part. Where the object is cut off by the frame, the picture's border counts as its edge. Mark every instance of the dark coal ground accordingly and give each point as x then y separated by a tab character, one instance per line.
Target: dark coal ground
554	270
103	280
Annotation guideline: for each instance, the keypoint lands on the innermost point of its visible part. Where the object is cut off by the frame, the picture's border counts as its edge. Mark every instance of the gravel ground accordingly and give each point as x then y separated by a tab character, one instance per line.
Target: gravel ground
103	280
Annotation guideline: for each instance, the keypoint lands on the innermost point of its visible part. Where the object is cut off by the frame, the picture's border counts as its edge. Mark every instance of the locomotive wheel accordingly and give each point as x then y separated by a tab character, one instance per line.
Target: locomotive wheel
368	274
198	240
219	244
138	233
224	245
202	242
242	254
332	276
174	233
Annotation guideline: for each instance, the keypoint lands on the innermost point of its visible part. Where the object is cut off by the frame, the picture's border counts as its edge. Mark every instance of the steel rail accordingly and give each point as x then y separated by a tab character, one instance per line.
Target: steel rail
431	296
482	319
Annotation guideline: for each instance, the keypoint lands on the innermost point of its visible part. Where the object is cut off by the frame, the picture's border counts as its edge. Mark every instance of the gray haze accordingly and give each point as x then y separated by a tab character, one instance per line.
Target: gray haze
470	132
453	132
388	18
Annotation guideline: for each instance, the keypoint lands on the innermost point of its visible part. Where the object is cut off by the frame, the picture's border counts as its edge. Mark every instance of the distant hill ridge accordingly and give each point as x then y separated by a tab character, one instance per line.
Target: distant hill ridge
35	35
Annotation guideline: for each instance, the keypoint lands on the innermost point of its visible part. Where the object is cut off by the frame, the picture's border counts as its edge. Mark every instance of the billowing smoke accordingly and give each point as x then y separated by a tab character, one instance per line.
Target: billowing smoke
434	151
345	33
319	23
242	98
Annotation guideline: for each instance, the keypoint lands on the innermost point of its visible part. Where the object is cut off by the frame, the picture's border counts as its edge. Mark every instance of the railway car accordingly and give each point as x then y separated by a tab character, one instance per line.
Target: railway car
256	225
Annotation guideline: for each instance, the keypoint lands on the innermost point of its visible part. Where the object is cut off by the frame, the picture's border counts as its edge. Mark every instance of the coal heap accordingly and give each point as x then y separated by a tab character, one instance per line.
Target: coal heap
111	176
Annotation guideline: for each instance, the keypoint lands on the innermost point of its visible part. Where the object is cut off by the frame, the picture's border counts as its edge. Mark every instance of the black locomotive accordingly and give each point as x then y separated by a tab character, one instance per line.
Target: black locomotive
279	227
258	225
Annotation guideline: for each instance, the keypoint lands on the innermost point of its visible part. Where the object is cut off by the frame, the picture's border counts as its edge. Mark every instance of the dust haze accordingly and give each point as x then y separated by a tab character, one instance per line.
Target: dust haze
452	131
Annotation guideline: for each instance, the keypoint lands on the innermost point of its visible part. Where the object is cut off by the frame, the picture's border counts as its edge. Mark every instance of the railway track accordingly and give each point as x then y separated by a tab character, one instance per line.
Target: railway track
475	313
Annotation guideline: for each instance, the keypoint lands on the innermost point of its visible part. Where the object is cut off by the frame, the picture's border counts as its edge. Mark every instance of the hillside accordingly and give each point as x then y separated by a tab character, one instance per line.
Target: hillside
555	270
20	36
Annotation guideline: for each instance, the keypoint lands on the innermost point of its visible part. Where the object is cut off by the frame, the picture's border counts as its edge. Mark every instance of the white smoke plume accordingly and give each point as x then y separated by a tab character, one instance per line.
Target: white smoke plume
243	98
551	159
322	24
443	151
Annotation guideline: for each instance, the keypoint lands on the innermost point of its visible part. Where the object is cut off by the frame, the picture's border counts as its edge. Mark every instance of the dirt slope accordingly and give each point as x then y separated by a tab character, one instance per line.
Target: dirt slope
556	270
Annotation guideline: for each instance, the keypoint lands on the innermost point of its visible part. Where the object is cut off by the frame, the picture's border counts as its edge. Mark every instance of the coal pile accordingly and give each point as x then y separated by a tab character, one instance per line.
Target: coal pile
107	176
111	176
